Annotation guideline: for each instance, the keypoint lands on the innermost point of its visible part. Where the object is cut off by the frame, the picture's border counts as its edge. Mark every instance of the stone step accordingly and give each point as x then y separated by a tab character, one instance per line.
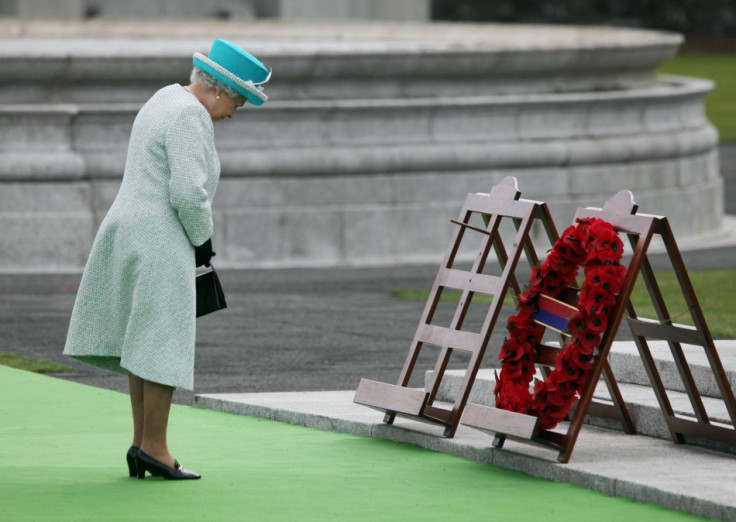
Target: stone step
635	389
628	367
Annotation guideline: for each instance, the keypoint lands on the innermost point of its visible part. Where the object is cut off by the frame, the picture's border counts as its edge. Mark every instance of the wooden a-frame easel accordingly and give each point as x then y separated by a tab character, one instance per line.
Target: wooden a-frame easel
503	202
620	211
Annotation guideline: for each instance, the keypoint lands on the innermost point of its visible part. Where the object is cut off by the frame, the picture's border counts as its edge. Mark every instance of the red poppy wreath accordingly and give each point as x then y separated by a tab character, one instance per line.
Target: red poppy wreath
595	245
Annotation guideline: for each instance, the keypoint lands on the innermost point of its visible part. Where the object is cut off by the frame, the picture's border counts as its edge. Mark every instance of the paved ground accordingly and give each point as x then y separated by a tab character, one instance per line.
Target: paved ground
284	330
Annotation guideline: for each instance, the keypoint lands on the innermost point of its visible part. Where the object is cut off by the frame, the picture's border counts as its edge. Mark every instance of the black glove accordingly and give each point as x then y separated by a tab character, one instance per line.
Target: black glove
203	253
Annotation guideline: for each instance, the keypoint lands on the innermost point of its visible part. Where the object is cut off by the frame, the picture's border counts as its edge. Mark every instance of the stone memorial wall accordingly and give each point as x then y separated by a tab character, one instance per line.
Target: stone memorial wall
372	137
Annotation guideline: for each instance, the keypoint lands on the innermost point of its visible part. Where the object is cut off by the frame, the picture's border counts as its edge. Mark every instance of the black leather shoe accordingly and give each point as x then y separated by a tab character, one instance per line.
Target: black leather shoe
130	457
145	462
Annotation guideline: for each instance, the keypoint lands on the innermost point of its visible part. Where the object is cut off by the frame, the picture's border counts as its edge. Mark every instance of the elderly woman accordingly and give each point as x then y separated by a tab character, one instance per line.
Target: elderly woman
135	309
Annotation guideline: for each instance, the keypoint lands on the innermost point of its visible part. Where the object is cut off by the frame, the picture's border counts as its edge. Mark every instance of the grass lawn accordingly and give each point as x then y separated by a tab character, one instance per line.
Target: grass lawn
62	446
720	106
713	288
32	365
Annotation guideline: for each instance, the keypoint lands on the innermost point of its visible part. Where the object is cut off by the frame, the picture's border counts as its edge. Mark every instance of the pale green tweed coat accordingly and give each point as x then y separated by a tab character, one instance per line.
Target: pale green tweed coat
135	309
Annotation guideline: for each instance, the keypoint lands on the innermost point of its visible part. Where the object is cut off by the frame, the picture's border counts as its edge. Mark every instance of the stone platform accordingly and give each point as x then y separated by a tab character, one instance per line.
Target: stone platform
373	135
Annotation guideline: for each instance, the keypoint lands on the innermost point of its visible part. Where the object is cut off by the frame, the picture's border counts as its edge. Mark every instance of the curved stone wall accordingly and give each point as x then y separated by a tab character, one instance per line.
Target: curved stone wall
372	137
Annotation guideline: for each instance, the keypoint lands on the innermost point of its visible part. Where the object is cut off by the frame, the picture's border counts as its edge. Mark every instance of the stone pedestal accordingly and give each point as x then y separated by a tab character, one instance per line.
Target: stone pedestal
373	135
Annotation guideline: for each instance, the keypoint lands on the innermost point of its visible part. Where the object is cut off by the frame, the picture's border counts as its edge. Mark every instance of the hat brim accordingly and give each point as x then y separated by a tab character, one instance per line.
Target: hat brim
253	93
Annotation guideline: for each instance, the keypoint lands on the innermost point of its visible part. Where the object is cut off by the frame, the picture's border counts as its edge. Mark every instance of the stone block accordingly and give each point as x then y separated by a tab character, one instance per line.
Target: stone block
692	113
355	9
100	129
342	191
650	175
421	233
34	128
248	194
558	121
612	150
694	141
33	198
603	180
608	118
664	116
475	122
69	9
379	123
389	234
712	167
31	165
42	241
251	237
542	183
103	193
287	126
312	237
538	59
437	187
106	164
368	232
694	170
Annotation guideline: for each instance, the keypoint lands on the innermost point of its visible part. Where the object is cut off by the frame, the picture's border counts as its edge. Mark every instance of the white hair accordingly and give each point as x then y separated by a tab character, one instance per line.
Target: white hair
208	81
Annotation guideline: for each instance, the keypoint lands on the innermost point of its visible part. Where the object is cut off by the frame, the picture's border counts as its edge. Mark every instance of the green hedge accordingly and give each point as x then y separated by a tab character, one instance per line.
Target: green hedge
703	17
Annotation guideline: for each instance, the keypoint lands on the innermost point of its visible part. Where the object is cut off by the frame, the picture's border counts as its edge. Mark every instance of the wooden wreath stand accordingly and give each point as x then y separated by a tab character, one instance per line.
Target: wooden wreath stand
620	211
503	202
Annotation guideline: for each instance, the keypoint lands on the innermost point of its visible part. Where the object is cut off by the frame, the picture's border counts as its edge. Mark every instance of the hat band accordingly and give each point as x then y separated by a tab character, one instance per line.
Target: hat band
255	90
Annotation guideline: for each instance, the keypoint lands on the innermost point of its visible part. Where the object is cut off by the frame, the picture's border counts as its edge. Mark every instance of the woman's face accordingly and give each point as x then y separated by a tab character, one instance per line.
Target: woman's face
225	106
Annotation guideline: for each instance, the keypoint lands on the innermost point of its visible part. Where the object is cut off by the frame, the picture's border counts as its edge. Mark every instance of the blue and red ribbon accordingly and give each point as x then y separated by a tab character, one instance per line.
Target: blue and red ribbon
554	314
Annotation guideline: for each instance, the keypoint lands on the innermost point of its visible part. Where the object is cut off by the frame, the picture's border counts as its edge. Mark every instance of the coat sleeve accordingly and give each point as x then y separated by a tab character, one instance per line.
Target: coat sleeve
189	140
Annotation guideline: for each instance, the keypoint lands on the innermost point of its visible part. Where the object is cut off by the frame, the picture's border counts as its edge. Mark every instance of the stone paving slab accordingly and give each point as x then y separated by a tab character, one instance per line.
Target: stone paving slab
641	402
685	478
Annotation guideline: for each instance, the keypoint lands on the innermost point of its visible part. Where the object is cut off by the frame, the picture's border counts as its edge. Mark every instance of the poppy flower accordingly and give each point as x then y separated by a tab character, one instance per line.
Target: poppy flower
597	322
576	325
509	353
553	399
528	296
594	300
605	246
557	261
601	279
589	340
519	369
580	360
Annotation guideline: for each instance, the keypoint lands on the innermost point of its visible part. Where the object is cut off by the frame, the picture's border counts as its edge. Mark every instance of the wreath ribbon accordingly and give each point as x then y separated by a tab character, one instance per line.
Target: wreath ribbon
593	244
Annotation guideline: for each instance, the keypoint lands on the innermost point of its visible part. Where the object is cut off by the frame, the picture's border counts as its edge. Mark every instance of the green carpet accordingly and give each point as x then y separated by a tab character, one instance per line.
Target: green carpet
62	449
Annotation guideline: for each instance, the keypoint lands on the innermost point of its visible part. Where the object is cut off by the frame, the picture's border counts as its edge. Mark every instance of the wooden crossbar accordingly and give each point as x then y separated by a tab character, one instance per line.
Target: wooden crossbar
504	202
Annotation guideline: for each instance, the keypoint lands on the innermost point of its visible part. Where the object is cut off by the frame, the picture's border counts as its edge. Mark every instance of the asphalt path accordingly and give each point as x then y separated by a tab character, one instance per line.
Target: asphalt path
286	330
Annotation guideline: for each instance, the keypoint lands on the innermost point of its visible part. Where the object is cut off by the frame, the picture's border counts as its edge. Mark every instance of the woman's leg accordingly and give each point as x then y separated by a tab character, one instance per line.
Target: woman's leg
136	402
156	406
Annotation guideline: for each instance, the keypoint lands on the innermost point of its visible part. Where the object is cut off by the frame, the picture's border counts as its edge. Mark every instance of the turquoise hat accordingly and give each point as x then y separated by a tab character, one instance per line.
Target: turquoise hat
235	68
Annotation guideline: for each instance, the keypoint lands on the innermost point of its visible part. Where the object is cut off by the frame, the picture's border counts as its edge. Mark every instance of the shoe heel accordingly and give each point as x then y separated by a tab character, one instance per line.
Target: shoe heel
130	459
140	468
132	468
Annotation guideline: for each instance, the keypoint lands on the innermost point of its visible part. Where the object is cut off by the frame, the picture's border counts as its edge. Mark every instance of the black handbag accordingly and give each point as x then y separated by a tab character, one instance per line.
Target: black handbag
210	297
